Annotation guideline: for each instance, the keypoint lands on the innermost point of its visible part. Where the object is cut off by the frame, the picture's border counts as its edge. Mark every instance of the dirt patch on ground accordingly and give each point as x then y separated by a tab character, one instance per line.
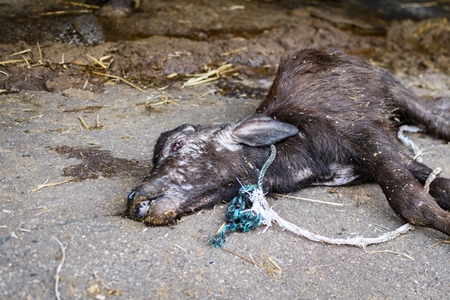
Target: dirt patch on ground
245	36
77	134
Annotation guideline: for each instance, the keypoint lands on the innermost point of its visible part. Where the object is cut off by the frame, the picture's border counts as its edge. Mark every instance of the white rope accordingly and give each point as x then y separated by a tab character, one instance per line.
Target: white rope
430	179
58	269
269	216
408	142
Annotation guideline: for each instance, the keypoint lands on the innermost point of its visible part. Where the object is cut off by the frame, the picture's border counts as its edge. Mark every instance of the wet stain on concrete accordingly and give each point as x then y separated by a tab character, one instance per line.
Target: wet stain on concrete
98	163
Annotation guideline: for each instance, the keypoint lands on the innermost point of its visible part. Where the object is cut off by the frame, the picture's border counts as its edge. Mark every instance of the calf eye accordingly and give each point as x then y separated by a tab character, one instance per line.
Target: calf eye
175	146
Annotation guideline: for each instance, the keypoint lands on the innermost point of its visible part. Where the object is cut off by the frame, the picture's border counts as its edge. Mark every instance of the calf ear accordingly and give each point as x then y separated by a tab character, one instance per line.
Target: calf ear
261	130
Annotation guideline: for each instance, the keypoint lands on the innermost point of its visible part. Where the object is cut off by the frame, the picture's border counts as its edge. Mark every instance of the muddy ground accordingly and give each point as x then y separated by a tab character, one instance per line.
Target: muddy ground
63	122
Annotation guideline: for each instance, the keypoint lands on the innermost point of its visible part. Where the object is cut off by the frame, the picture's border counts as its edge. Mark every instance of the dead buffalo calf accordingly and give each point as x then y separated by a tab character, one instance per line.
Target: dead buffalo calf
333	120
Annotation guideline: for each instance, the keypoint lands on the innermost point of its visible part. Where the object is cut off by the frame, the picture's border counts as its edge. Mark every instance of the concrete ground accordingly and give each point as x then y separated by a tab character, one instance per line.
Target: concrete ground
73	145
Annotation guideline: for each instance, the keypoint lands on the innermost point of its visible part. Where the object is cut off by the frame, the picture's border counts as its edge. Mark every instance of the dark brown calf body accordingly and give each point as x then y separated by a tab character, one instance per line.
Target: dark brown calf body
333	119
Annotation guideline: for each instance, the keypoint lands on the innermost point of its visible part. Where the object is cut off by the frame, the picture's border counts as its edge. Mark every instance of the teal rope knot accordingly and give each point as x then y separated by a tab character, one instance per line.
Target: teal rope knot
238	218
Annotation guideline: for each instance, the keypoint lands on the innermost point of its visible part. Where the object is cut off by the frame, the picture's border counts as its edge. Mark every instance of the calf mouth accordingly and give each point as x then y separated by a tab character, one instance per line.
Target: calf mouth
141	210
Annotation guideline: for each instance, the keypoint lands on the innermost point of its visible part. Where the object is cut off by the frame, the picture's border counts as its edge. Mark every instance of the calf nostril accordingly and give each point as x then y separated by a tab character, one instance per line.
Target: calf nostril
141	209
131	196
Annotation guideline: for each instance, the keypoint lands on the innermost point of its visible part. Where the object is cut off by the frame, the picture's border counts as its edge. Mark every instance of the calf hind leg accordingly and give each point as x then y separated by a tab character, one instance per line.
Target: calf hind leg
404	193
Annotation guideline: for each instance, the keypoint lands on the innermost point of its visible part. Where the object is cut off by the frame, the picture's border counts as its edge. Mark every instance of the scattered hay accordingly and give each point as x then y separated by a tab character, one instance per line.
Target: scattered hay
307	199
233	51
28	119
122	79
78	4
164	100
13	61
24	59
21	52
43	210
40	53
102	61
391	252
83	122
179	247
66	12
210	75
419	5
85	125
173	75
440	242
268	264
111	291
44	185
428	27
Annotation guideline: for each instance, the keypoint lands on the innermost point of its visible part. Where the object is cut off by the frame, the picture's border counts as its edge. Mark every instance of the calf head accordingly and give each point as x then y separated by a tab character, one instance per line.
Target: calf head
196	167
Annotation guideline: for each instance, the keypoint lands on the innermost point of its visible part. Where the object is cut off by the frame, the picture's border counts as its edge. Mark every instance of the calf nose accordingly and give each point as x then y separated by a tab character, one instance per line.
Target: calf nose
139	200
154	203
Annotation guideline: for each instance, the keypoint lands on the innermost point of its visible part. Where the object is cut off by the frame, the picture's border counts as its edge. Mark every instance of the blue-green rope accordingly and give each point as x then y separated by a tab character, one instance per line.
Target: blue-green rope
237	219
273	153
